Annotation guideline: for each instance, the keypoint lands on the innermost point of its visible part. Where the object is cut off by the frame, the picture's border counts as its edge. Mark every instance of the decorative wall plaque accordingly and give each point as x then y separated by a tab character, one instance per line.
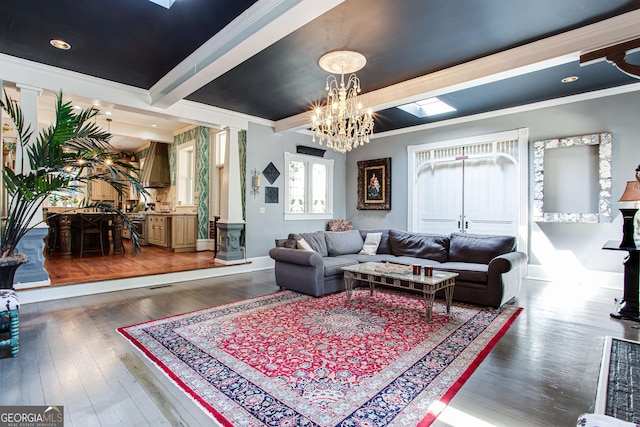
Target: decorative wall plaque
271	173
271	194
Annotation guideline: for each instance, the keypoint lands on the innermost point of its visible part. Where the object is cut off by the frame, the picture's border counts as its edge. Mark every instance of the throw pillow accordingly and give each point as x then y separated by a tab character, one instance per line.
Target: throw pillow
302	244
371	244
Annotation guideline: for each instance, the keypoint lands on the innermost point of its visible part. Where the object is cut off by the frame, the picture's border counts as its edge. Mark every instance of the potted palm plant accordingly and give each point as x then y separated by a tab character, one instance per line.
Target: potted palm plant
61	161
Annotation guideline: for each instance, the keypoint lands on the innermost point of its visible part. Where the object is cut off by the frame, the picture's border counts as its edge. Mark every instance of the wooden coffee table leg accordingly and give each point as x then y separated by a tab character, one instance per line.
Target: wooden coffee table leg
428	304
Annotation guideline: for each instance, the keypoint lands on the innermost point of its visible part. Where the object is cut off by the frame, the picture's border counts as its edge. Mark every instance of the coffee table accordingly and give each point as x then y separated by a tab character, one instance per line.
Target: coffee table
376	273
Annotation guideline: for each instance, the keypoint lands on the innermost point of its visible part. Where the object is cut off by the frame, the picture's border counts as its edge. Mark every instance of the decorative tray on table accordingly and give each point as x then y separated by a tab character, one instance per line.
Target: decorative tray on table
388	267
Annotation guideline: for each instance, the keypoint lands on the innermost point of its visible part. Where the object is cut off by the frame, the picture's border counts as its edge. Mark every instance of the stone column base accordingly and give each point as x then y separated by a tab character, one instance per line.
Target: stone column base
32	245
229	249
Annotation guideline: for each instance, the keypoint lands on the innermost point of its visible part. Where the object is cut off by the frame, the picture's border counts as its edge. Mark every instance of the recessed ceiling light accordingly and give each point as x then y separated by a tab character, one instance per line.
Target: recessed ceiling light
427	107
569	79
154	126
108	113
60	44
77	107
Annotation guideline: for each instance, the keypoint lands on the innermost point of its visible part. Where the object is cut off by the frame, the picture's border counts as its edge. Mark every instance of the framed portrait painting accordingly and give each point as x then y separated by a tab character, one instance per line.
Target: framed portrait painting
374	184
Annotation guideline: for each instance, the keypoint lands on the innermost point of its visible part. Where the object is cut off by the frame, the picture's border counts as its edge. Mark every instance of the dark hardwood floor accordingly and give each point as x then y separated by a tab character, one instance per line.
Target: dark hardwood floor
543	372
93	267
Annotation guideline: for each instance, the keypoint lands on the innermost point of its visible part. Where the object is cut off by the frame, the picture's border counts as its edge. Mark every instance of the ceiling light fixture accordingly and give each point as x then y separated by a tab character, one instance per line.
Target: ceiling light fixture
342	122
60	44
569	79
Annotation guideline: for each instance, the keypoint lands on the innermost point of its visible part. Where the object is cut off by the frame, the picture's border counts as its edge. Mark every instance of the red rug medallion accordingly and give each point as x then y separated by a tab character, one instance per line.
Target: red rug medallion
287	359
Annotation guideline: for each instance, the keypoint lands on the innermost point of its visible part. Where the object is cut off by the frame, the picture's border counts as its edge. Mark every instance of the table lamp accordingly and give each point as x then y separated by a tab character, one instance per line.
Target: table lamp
631	194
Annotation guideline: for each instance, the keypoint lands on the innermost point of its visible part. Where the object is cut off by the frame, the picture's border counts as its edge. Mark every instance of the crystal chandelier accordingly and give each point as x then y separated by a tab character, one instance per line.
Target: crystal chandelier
342	122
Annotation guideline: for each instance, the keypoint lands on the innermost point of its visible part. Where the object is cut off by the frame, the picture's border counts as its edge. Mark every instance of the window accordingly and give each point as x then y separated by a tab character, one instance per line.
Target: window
221	142
185	170
308	187
217	174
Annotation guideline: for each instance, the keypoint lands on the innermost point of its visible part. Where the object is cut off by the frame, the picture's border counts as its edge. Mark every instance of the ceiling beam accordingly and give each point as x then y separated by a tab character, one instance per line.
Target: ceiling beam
263	24
541	54
120	96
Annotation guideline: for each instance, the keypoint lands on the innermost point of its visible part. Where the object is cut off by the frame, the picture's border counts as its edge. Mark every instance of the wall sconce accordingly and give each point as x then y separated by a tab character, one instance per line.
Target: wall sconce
255	183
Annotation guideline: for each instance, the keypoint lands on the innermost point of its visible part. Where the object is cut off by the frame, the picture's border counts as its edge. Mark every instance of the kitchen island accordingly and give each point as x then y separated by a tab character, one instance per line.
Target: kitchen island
65	231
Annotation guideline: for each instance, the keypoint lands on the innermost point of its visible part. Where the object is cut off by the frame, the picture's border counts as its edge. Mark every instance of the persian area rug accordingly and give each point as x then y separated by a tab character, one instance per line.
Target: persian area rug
287	359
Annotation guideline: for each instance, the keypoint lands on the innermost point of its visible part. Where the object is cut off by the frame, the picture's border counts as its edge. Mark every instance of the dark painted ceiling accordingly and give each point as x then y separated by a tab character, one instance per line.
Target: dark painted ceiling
135	42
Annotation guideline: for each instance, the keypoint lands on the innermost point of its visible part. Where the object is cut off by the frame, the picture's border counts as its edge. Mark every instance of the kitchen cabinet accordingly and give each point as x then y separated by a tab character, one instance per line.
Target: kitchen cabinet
176	232
101	190
183	232
158	227
130	192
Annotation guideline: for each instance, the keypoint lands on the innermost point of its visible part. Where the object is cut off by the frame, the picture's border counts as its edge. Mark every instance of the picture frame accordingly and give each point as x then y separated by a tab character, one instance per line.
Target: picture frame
374	184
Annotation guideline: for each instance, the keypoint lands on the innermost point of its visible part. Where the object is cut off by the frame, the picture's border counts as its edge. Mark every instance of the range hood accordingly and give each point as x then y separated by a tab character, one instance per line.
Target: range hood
155	171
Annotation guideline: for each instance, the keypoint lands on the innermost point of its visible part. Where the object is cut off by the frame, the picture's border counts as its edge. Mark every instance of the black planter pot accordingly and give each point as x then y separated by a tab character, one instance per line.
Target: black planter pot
8	269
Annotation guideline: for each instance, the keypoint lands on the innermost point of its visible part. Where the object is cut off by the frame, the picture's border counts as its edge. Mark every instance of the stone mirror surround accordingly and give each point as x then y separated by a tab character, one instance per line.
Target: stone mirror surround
604	147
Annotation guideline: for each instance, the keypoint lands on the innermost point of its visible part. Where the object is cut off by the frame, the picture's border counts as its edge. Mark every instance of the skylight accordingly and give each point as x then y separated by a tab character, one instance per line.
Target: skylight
427	107
163	3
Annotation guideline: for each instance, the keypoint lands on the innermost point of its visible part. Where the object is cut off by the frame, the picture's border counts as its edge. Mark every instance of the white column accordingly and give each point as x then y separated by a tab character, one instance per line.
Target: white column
231	200
32	244
29	106
231	223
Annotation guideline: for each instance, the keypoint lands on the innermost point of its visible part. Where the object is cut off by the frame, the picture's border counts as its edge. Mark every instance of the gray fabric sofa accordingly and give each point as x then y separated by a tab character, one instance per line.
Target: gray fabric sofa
490	269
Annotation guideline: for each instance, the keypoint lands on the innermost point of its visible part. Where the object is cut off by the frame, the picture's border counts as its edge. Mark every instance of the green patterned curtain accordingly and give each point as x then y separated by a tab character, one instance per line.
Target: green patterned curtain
242	150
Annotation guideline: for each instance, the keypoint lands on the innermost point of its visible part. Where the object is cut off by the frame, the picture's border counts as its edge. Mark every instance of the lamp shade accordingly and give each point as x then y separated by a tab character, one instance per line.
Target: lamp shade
631	193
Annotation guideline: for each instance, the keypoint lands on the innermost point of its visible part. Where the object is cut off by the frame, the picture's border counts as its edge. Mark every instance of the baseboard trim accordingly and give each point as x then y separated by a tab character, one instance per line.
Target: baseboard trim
602	279
38	292
48	293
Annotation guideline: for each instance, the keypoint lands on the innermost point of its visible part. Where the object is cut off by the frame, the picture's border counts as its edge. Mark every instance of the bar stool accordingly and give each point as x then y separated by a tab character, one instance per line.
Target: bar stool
91	224
9	307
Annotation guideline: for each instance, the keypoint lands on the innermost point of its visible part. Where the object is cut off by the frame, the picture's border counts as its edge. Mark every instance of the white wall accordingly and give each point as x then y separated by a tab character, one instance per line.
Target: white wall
569	247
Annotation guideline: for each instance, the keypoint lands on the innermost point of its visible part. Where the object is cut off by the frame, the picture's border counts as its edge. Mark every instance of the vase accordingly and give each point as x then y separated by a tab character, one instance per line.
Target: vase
8	267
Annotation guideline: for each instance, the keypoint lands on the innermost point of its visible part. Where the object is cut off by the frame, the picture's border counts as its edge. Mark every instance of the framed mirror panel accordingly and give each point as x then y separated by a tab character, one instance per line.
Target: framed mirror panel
572	179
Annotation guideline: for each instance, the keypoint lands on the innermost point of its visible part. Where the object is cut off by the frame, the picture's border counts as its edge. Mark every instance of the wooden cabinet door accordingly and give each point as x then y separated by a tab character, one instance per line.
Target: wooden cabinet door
101	190
184	232
157	230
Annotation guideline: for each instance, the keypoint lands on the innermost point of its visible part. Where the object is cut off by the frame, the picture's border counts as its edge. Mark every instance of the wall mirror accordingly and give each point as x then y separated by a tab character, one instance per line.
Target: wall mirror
572	179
